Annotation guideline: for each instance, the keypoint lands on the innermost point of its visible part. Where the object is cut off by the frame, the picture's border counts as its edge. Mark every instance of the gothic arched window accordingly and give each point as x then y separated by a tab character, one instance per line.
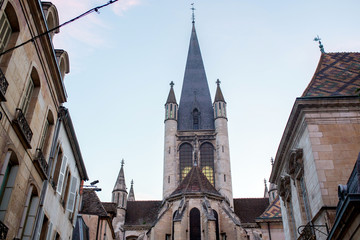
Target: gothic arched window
196	117
185	160
207	161
195	227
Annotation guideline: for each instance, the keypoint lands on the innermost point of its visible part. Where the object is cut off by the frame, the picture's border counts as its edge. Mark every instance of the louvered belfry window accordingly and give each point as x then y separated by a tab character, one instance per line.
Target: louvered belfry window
207	161
185	160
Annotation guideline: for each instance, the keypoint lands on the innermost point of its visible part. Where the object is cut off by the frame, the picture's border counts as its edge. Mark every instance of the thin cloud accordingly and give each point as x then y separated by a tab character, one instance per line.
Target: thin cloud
124	5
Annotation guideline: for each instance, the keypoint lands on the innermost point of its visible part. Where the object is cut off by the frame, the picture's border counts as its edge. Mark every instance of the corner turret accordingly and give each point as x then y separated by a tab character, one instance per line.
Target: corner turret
219	103
171	106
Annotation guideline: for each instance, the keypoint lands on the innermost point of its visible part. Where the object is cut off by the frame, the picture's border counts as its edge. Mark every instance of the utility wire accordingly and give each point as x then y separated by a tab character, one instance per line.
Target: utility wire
95	9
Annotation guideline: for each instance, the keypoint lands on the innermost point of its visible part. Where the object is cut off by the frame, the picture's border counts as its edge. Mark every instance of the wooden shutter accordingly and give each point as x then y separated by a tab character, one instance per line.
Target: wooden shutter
49	231
72	195
61	175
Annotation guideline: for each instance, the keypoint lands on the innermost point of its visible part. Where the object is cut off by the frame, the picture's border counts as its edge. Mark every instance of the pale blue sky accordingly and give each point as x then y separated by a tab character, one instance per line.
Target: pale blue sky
123	59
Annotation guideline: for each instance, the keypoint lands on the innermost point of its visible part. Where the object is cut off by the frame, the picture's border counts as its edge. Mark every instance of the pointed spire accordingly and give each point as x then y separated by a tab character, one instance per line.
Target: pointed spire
266	191
120	182
131	196
171	97
219	96
195	93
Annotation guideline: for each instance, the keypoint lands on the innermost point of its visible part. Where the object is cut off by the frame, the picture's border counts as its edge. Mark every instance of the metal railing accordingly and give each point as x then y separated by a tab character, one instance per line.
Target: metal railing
3	231
41	164
3	86
23	127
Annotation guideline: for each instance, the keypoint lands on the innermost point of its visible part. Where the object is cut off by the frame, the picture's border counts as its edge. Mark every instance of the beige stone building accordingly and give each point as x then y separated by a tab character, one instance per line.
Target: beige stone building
319	147
31	92
197	180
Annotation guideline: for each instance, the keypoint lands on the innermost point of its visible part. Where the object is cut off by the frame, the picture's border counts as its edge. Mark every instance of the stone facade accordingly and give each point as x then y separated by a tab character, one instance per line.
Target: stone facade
318	149
31	92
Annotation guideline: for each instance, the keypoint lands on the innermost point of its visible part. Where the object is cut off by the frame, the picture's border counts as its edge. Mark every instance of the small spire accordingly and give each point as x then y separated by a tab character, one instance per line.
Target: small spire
193	12
171	97
131	196
120	181
219	97
266	191
318	39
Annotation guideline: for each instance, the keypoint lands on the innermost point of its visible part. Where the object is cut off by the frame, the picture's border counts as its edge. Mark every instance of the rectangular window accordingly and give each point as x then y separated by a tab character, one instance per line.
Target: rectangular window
72	195
44	135
60	182
28	93
5	31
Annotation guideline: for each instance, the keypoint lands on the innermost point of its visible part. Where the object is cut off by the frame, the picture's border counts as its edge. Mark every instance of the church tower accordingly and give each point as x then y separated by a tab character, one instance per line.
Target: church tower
196	131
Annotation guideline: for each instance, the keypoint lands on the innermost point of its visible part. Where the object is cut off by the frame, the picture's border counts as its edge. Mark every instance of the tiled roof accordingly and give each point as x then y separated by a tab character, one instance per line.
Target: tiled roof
195	182
247	209
109	207
273	211
337	74
91	204
142	212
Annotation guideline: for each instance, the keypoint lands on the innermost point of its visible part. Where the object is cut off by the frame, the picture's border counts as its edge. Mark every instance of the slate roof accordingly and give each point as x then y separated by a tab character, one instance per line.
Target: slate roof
91	204
248	209
142	212
337	74
171	97
195	91
218	95
273	211
195	182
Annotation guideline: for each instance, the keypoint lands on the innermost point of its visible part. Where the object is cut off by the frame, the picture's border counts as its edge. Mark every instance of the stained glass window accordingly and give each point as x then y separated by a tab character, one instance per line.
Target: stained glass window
185	159
207	161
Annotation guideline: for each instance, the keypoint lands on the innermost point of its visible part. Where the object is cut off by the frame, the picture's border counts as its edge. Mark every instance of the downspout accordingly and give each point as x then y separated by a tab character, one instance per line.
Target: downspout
61	115
268	224
97	228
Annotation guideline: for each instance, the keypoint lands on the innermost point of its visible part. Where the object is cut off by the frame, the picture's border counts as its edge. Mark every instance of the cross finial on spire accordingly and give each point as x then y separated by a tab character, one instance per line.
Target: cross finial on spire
193	12
318	39
122	162
132	182
272	161
265	182
172	84
218	82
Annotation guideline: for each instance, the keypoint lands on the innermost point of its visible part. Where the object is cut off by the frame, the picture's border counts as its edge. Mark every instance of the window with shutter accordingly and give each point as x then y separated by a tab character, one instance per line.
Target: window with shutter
5	32
72	195
30	218
60	182
27	98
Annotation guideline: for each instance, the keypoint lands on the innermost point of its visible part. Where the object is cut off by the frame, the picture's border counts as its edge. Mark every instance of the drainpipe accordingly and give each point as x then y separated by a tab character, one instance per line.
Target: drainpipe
268	224
62	113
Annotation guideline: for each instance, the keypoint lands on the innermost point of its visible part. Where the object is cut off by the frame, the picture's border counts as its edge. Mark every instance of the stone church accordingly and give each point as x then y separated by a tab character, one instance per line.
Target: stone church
197	199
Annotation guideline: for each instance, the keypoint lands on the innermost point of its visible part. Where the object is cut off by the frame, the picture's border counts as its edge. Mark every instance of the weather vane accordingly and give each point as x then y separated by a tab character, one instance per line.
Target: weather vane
193	13
318	39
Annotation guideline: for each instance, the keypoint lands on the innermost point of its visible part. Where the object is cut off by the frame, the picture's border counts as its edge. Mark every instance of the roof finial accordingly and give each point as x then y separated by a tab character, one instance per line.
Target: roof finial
132	182
193	12
172	84
218	82
122	162
318	39
272	161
